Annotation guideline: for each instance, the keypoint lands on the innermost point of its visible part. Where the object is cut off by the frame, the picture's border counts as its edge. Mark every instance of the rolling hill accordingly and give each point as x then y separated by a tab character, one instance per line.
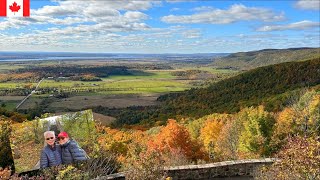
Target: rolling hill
271	86
254	59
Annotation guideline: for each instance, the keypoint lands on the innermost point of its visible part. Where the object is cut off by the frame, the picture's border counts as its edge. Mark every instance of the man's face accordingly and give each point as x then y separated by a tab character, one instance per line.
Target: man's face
50	138
63	140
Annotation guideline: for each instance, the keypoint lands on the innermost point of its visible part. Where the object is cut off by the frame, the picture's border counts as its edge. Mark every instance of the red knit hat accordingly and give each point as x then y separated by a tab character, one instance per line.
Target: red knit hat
63	134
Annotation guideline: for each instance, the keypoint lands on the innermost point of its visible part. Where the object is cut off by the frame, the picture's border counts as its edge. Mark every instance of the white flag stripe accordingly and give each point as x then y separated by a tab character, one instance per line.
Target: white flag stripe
15	14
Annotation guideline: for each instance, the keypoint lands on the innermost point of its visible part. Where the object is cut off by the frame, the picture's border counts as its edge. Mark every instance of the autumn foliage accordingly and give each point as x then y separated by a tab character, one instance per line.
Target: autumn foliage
299	159
210	132
291	135
175	138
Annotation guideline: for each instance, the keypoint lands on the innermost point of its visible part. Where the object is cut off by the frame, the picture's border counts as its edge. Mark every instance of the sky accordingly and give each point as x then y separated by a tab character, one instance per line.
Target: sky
167	26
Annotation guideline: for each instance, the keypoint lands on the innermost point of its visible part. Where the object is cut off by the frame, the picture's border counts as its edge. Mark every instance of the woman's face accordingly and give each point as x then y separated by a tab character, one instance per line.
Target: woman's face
50	139
63	140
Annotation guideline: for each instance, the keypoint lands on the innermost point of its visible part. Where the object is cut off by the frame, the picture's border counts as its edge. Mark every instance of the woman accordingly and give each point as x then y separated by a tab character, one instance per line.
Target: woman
70	150
51	153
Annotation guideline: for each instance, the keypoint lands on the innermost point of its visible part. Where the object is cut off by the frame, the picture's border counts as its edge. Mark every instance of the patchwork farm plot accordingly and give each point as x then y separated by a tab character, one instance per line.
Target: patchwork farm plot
75	85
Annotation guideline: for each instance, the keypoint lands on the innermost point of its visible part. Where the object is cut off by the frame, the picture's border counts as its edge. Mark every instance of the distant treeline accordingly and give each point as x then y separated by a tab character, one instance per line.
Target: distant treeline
70	71
77	73
271	86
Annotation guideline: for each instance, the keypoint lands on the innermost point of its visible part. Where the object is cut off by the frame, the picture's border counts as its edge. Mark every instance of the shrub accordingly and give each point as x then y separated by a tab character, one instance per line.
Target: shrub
300	159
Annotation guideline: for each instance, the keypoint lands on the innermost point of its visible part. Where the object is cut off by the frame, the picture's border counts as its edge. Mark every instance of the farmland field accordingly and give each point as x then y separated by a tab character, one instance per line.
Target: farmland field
141	85
117	101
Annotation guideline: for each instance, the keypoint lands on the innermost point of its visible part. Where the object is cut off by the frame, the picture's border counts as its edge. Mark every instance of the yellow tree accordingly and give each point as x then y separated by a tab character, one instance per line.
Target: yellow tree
301	118
284	127
210	132
307	113
194	127
228	140
256	134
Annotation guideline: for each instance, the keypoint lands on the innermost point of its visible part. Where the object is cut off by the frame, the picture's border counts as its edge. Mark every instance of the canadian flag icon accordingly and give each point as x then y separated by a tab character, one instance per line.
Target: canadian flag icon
14	8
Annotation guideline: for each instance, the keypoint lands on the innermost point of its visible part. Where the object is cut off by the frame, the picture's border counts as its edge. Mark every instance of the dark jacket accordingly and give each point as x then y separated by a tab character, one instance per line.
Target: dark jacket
71	152
50	156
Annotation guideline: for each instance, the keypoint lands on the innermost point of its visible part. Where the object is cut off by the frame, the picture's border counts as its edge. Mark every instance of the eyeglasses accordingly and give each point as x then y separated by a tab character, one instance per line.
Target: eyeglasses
60	138
49	138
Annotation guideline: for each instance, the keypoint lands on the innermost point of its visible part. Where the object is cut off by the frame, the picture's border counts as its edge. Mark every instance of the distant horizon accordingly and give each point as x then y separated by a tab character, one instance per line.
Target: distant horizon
162	27
68	52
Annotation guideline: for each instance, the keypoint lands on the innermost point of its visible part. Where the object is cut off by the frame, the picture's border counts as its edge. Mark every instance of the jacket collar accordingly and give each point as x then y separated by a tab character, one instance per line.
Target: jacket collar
66	144
52	148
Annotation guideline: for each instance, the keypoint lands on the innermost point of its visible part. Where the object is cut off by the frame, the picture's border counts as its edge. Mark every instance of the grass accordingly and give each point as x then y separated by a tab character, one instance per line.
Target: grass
7	67
211	70
119	101
157	81
10	105
13	85
32	101
217	71
115	90
147	75
121	86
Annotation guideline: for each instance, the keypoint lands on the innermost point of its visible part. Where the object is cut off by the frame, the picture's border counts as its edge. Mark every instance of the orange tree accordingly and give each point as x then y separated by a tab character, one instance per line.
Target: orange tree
175	139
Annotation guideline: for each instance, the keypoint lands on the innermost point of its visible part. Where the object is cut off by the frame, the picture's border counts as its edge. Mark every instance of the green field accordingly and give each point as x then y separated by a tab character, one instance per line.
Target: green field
147	75
10	105
217	71
140	88
13	85
110	86
5	67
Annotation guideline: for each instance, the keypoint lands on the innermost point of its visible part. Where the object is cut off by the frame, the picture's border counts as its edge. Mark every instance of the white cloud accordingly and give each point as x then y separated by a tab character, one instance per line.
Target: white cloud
64	9
293	26
80	13
191	34
135	16
72	7
203	8
308	4
121	26
234	14
92	11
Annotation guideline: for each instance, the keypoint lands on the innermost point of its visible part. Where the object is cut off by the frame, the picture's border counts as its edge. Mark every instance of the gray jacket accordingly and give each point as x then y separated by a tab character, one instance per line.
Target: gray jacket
71	152
50	156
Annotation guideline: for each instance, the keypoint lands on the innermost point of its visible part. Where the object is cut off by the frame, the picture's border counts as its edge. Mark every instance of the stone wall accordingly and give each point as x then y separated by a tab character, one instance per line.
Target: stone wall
117	176
238	168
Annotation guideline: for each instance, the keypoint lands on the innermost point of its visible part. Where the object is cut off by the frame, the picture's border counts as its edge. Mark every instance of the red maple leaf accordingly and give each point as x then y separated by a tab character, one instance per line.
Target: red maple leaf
14	7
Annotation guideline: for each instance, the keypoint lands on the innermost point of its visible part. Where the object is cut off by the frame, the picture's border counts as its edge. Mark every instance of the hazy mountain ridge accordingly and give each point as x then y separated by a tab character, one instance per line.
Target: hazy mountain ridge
253	59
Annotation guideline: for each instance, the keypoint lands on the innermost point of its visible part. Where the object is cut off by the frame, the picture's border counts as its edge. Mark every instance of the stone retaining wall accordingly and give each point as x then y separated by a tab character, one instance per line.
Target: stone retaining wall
220	169
238	168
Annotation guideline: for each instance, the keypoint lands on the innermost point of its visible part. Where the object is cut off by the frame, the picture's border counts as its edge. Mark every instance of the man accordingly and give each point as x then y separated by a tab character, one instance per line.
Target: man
70	150
51	153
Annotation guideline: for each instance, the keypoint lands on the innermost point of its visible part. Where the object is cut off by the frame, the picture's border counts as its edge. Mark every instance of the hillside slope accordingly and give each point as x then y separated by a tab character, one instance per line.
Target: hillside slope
254	87
271	86
253	59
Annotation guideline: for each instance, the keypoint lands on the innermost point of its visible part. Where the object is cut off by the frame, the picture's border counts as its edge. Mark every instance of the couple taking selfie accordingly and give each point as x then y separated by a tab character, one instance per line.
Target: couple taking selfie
66	152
